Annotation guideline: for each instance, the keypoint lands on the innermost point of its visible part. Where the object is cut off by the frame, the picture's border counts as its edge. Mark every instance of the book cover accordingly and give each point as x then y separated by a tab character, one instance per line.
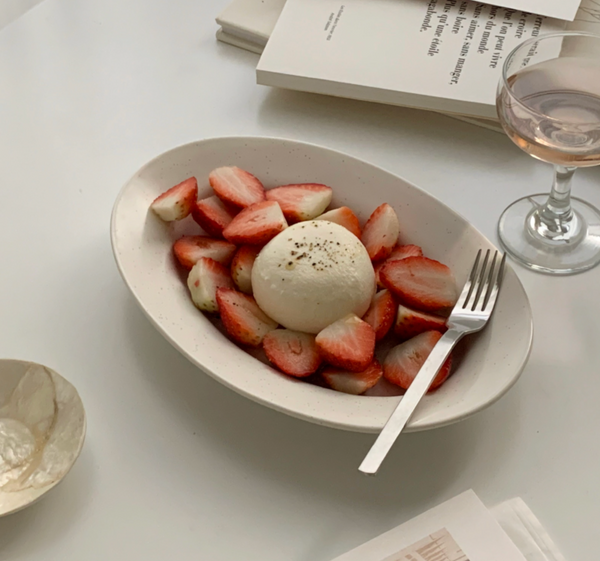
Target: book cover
251	20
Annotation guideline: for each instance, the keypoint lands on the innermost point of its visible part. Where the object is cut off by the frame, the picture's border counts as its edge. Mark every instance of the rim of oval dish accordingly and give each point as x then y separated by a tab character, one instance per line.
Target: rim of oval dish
285	407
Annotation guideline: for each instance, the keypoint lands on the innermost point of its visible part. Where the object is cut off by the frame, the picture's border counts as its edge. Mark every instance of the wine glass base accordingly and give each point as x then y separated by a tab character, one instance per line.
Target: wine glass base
557	257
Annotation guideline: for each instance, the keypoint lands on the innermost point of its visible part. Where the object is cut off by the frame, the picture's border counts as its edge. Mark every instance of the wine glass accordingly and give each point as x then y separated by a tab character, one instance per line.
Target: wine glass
549	105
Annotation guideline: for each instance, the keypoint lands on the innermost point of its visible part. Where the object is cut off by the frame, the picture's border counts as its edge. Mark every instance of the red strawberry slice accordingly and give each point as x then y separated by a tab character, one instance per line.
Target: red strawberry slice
237	187
177	202
404	361
420	283
213	215
241	267
354	383
380	316
344	217
348	343
191	248
293	352
377	267
404	251
245	322
399	252
304	201
203	281
256	225
381	232
411	322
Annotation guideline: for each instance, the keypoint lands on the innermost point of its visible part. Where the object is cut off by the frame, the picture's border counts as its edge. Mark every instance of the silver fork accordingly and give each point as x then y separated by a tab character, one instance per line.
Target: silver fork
470	314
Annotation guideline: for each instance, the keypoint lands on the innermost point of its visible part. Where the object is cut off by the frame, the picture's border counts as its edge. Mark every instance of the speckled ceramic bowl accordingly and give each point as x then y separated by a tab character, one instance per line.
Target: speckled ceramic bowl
489	365
42	429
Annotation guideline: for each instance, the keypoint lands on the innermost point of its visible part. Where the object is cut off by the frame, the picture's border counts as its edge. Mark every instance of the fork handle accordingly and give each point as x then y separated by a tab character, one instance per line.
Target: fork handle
403	412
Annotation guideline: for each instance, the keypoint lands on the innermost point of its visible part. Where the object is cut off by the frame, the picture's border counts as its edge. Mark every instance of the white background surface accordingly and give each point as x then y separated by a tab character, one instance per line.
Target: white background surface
10	10
176	466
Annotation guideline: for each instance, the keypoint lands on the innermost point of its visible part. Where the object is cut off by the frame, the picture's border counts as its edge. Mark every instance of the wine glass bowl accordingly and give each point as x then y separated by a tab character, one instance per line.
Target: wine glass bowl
549	105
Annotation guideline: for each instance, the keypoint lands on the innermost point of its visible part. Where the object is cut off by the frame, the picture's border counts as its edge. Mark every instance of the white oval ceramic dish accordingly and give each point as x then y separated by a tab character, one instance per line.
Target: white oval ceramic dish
142	248
42	429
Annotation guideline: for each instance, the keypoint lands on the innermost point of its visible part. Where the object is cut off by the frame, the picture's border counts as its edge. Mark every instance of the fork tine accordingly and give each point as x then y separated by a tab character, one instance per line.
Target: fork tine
491	300
465	295
480	280
486	292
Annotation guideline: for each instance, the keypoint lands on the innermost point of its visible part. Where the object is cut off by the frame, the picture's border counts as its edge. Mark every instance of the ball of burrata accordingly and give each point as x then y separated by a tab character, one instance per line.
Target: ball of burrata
312	274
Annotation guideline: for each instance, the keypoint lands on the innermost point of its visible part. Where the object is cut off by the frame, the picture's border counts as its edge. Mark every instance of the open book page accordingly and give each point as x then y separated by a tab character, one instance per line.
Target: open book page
461	529
256	19
442	55
588	20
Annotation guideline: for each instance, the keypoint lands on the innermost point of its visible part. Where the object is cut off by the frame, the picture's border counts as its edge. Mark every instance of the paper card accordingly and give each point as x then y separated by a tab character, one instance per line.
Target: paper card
461	529
561	9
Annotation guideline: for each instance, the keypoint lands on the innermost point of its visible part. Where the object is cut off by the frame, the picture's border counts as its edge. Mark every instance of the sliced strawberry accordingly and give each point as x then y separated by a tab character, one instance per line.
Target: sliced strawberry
404	361
177	202
420	283
377	267
348	343
399	252
404	251
304	201
191	248
380	316
203	281
241	267
293	352
344	217
213	215
411	322
256	225
355	383
381	232
236	187
245	322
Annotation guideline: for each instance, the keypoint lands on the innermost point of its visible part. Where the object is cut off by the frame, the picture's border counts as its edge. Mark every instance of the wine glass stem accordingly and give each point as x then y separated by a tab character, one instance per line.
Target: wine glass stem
555	219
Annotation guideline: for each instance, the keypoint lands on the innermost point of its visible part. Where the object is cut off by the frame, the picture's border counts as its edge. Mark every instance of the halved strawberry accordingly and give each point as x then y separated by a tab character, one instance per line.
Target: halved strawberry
344	217
380	316
256	224
191	248
404	251
420	283
412	322
303	201
399	252
354	383
381	232
213	215
203	281
348	343
377	268
245	322
177	202
237	187
293	352
404	361
241	267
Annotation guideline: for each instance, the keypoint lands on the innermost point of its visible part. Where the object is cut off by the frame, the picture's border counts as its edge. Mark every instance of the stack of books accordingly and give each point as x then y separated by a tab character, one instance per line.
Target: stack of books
463	529
437	55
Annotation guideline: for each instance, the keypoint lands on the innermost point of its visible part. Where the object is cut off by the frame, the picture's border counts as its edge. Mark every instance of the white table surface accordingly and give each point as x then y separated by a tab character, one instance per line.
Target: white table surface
176	466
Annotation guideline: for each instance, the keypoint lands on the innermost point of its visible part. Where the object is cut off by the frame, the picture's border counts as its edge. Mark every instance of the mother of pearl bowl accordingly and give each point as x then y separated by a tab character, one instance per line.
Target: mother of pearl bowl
42	429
